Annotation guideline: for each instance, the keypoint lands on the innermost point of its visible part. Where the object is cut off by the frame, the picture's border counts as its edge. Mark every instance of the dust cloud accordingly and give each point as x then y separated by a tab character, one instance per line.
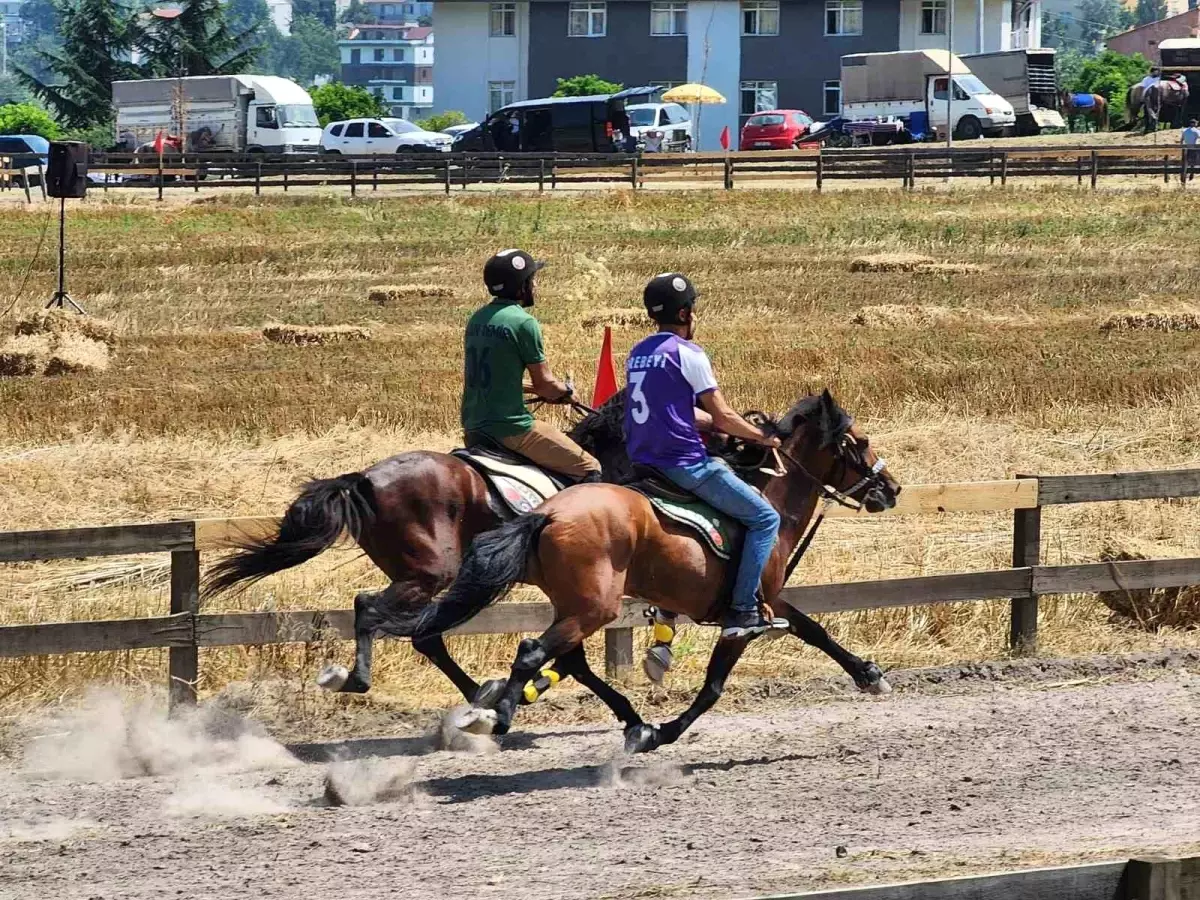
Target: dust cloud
365	782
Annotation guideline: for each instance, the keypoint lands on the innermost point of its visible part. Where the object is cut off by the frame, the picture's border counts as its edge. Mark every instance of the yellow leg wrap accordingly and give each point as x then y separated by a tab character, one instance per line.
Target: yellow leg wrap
664	634
551	676
531	692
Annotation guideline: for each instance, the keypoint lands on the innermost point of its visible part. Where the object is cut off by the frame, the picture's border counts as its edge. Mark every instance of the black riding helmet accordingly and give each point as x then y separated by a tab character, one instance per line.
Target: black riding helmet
666	295
507	271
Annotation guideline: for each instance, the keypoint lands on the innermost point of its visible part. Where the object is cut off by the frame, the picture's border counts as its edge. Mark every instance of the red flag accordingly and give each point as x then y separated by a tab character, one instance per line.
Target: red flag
158	144
606	372
725	138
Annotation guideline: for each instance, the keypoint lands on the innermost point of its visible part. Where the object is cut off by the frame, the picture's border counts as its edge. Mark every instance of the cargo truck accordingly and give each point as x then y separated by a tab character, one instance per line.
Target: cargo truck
219	113
1027	80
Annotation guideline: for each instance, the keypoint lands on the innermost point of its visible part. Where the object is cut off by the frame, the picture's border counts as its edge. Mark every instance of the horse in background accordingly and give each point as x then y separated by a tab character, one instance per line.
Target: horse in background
1093	107
1167	98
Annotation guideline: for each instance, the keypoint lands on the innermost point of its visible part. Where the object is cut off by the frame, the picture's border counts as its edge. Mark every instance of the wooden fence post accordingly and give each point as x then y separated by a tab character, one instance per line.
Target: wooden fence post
634	174
183	662
1027	551
1183	167
1004	169
160	176
618	651
820	167
1166	169
1079	170
911	171
354	178
446	173
258	178
992	168
728	172
1095	168
374	173
1152	879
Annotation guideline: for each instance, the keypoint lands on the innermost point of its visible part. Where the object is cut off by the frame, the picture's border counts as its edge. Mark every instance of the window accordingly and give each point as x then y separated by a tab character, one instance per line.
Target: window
933	16
265	117
378	54
354	129
668	18
587	19
504	19
389	10
843	17
336	130
355	56
758	96
939	90
760	17
500	94
833	98
376	130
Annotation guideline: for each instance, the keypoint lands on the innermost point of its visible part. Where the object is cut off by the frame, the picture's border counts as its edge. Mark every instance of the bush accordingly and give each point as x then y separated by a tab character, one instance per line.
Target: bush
585	86
98	137
442	121
1110	74
336	101
25	118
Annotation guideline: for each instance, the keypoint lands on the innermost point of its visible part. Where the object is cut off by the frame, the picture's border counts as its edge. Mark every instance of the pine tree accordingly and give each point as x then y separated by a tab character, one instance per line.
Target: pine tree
1148	11
200	41
98	37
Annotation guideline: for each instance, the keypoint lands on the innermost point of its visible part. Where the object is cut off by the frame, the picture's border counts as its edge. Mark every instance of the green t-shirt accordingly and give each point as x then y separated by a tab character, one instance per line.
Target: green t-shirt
501	340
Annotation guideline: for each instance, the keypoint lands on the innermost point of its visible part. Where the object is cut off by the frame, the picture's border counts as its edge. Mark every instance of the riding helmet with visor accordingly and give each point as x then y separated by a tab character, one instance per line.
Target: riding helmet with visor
506	273
665	295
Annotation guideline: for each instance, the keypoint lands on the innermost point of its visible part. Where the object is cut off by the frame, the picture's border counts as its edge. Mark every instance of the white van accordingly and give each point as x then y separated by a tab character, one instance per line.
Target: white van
660	126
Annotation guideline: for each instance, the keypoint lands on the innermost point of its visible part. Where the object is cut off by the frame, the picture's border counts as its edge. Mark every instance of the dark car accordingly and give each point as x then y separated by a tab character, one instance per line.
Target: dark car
595	124
25	149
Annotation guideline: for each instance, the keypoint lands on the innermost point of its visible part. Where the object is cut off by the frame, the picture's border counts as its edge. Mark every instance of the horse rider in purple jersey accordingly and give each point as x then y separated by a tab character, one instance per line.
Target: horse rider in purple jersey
668	375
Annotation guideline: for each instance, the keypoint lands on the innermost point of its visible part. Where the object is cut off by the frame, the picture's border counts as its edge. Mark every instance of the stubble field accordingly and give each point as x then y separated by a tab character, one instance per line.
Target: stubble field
991	367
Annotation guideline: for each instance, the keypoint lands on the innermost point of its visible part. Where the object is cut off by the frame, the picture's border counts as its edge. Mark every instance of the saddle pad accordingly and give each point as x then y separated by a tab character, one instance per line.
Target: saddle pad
521	487
719	533
1083	101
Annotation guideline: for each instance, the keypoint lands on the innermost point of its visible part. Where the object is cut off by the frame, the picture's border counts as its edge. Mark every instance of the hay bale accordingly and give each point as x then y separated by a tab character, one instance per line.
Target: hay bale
894	315
73	353
58	322
314	335
386	295
1152	321
616	318
25	354
1150	608
890	262
950	268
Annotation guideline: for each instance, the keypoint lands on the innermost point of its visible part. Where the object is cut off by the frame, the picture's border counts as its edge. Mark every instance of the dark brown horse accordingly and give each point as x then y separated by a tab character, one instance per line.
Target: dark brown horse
1095	107
1167	99
592	545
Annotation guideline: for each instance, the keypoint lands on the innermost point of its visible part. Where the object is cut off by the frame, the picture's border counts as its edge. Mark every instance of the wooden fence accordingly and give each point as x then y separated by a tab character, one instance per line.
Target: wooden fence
186	628
1135	879
452	171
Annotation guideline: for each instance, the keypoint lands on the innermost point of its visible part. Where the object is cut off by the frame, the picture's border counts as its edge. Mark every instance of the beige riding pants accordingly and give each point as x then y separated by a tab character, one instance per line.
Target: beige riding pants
551	449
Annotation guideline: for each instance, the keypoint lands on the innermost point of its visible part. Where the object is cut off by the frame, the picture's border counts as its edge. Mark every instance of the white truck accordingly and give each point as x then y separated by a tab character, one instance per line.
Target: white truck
907	95
219	113
1026	79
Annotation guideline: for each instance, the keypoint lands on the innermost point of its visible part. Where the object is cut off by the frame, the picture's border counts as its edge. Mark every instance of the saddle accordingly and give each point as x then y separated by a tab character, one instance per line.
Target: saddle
719	532
517	482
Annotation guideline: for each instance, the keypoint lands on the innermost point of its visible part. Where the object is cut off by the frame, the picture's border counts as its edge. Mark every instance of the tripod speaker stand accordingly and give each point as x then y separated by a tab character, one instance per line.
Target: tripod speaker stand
66	176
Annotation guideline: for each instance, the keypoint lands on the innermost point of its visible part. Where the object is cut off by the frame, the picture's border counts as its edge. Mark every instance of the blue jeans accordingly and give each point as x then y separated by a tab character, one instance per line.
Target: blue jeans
714	483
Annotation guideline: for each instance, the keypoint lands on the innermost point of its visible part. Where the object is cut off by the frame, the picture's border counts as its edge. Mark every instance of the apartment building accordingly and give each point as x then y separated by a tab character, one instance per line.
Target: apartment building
393	61
760	54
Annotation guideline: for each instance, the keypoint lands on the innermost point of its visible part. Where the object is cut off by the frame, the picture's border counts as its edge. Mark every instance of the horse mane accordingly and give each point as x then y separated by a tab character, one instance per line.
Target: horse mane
821	411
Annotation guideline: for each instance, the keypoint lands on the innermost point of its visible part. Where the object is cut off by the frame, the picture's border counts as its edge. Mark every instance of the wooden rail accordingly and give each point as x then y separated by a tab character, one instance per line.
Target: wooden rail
1136	879
459	170
186	628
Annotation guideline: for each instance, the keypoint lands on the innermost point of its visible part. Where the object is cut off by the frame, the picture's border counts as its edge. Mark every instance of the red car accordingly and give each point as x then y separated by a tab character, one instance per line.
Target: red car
777	129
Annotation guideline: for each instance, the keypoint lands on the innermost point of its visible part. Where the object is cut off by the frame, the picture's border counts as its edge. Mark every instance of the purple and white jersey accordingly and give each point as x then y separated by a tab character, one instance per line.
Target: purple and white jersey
666	374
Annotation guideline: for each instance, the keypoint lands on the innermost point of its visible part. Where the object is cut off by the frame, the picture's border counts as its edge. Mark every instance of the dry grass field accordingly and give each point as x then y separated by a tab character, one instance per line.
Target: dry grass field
995	365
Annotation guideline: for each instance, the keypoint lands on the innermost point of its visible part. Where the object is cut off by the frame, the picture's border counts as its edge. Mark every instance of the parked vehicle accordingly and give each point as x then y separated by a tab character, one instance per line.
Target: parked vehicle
25	153
1181	56
903	96
1026	79
230	113
366	137
777	129
557	124
456	130
660	126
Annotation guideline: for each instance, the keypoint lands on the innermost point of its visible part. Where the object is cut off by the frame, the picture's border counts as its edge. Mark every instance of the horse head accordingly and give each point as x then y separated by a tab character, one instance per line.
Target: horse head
828	450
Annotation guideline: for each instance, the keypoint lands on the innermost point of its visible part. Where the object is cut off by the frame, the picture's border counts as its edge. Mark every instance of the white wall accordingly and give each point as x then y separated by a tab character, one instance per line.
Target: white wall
281	14
714	58
468	57
966	27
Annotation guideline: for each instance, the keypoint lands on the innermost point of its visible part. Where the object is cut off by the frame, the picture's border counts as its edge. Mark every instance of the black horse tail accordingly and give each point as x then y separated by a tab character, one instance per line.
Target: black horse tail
495	561
313	523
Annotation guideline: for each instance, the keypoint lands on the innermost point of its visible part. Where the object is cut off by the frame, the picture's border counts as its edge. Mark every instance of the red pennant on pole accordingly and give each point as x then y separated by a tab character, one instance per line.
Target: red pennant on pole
158	144
725	138
606	372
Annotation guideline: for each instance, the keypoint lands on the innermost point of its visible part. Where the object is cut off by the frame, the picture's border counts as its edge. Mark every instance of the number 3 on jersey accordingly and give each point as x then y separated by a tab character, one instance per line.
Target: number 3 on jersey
641	411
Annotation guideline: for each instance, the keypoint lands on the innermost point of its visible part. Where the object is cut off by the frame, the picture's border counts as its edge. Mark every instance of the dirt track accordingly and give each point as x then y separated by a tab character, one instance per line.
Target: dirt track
933	780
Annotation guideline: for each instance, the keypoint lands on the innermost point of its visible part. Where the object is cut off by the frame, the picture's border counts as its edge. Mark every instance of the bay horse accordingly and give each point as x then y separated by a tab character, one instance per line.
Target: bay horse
1094	108
591	545
1168	96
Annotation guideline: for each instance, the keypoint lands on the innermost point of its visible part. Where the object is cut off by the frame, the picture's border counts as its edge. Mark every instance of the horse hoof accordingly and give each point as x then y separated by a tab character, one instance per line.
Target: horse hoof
474	720
875	683
333	678
642	738
657	663
489	694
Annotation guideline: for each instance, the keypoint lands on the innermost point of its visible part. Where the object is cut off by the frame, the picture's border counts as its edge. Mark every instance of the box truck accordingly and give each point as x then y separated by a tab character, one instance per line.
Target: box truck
1027	80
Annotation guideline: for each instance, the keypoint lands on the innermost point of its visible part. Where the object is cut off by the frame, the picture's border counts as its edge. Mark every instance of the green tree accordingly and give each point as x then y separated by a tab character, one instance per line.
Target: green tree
1111	74
1100	19
1055	28
25	118
324	11
442	121
357	14
99	135
1069	63
585	86
1148	11
199	41
248	16
311	50
13	91
336	101
39	17
98	38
